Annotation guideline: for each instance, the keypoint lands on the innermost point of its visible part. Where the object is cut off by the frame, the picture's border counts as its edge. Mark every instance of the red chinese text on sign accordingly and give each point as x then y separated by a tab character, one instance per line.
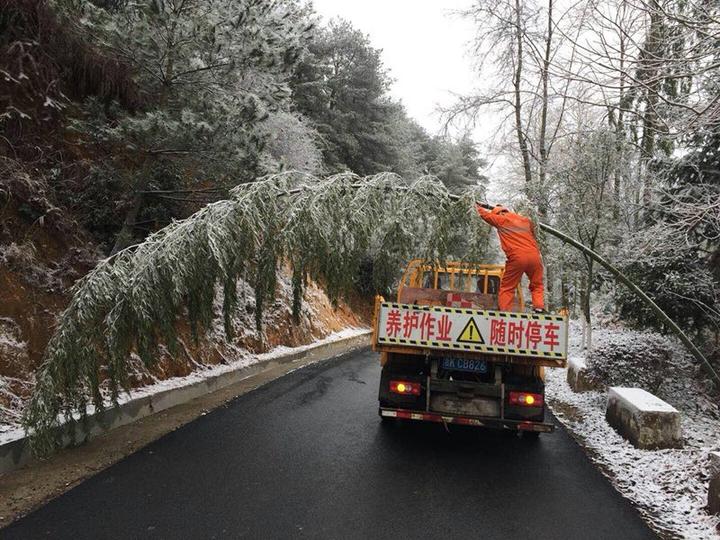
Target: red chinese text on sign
551	336
533	335
427	326
411	321
498	334
516	329
444	326
392	327
441	328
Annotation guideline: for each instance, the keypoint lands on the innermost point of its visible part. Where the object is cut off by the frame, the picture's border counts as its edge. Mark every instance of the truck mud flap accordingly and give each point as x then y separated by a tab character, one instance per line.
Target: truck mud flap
493	423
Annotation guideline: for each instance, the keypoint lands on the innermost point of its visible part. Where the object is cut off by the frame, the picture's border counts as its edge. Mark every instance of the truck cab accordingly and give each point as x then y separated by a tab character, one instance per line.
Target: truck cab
449	356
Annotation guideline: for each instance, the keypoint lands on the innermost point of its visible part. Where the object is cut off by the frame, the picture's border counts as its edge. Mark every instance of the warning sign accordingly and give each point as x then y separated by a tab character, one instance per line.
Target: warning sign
471	333
463	329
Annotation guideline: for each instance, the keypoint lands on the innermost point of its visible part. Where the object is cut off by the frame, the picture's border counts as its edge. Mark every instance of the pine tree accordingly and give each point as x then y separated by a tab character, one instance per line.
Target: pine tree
210	72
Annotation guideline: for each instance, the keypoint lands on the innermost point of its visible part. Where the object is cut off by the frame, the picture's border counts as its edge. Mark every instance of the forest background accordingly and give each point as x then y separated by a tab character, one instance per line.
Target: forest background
118	118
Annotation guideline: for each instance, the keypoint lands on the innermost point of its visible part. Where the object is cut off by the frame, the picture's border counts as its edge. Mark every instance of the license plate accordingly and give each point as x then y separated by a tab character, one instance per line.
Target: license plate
464	364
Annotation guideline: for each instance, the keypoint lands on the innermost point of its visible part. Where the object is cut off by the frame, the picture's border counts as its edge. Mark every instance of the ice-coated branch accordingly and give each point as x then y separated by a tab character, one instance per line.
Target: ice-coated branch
322	228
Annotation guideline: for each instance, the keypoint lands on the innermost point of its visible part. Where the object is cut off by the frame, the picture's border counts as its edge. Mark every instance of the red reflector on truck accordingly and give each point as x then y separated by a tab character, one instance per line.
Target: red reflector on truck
526	399
405	388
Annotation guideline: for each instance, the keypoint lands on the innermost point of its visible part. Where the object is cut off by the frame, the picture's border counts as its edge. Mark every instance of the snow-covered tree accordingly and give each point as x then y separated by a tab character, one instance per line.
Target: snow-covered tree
210	71
292	144
324	229
342	86
583	188
676	258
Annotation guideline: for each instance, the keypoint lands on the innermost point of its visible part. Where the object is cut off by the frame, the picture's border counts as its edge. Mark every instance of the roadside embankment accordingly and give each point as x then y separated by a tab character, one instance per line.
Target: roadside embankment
669	486
149	414
20	356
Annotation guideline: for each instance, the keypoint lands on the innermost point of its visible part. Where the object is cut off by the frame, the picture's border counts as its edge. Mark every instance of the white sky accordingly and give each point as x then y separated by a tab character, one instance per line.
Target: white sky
424	46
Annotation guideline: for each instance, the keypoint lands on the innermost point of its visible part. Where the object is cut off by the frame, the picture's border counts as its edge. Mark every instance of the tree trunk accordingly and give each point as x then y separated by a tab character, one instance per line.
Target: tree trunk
548	276
585	323
586	306
126	234
649	71
517	81
542	144
623	103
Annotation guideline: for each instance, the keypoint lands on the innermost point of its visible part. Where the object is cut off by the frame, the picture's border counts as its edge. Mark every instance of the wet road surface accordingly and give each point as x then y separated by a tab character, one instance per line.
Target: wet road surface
306	456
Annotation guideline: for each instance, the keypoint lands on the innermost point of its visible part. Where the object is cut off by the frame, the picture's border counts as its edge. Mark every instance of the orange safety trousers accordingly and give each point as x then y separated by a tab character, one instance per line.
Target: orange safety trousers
515	267
517	240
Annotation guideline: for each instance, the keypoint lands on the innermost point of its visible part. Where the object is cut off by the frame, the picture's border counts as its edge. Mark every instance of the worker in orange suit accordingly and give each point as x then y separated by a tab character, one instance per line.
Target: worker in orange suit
517	239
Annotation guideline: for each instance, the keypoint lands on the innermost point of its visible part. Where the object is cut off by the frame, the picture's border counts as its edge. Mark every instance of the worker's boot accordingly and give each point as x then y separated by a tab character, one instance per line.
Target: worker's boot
540	311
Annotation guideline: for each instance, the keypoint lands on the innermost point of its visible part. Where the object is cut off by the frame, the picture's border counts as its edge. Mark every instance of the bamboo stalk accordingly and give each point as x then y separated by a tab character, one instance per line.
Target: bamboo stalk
622	278
610	268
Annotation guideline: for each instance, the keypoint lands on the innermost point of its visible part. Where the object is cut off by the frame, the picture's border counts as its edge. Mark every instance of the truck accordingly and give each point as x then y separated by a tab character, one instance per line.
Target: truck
449	356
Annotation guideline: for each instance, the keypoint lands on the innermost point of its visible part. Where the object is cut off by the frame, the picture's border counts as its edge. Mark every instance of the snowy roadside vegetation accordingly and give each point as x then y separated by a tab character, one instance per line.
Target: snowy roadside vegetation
319	321
118	119
668	486
11	425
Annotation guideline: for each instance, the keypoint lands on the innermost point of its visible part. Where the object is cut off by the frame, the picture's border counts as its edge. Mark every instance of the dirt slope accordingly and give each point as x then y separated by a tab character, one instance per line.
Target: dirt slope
43	252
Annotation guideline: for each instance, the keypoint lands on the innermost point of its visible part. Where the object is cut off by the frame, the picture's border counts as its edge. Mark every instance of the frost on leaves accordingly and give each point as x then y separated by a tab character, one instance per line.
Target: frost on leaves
324	229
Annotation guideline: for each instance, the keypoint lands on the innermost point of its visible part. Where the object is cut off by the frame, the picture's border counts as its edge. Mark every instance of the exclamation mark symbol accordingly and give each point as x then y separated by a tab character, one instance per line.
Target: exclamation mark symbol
472	338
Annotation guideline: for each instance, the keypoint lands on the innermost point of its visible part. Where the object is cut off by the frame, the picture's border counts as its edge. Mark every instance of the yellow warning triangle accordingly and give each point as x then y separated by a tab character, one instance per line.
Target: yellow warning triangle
471	333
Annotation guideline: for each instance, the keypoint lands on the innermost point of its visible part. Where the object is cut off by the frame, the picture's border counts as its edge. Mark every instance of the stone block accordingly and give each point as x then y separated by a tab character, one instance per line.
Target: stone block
714	487
577	375
644	419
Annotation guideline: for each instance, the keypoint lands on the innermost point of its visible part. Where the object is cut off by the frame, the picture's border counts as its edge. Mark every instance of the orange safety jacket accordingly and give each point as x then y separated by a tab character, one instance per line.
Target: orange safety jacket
516	232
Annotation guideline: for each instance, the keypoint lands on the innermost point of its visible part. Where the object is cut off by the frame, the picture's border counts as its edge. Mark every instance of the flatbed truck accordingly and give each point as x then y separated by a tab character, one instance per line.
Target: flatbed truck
448	355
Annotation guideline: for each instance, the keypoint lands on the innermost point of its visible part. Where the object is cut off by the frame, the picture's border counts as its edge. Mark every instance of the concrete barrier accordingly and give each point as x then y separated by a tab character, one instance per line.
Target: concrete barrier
645	420
577	375
16	453
714	486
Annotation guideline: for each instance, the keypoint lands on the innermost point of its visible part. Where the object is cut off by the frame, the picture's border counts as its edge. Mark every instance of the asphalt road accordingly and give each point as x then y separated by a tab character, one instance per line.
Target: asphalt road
307	457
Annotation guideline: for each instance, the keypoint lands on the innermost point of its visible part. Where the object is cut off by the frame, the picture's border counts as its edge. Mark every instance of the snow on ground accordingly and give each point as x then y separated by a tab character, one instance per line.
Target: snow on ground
243	361
668	486
10	406
10	429
11	388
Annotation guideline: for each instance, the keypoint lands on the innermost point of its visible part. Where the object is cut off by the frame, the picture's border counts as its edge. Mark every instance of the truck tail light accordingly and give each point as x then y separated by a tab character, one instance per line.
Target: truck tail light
526	399
405	388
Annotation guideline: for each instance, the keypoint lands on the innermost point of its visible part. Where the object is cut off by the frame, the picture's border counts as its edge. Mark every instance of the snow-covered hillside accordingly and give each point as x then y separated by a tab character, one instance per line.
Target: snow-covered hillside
319	320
